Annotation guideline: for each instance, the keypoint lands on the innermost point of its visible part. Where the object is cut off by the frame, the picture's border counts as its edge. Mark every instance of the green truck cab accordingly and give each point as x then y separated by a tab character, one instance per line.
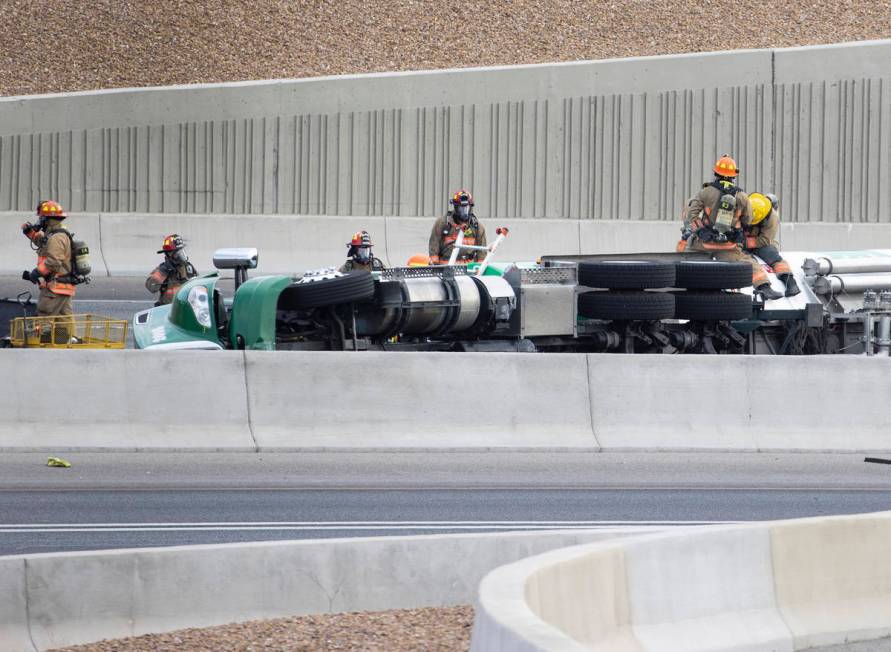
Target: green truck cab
404	308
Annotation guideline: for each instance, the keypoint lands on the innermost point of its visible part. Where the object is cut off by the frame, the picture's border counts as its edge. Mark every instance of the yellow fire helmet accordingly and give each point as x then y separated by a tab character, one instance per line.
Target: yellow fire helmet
761	207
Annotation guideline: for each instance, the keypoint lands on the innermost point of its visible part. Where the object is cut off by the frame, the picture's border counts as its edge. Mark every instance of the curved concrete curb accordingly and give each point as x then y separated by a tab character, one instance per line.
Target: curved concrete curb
81	597
786	585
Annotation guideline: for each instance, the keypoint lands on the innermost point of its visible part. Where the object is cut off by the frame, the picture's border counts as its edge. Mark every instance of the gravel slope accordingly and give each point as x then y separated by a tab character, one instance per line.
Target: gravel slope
65	45
423	630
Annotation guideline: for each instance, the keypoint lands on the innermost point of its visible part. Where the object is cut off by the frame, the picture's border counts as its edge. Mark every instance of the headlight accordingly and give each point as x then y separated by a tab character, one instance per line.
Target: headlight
200	305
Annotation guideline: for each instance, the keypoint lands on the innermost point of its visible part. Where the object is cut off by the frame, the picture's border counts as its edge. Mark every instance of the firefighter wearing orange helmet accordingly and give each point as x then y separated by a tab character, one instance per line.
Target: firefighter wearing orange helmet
173	271
715	220
445	231
360	256
762	238
53	273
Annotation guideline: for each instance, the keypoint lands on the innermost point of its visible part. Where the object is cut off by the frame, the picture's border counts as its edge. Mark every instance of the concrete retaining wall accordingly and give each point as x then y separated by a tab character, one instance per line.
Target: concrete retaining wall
124	244
780	586
616	139
278	401
83	597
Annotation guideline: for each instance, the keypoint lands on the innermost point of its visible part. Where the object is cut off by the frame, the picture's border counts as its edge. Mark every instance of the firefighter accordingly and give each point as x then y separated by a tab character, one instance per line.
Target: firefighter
360	256
715	220
173	271
53	273
761	238
445	231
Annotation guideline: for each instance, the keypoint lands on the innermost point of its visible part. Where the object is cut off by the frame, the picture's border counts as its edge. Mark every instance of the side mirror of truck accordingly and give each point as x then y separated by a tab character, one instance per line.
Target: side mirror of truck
244	257
241	259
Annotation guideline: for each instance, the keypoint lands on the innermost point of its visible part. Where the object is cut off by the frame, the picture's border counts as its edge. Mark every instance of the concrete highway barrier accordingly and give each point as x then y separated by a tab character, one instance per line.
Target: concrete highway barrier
124	244
287	244
671	402
82	597
123	400
289	400
833	576
14	634
718	402
783	586
406	400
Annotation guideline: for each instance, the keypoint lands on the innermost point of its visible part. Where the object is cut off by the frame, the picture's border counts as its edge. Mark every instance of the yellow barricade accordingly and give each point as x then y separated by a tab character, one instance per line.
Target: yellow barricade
68	332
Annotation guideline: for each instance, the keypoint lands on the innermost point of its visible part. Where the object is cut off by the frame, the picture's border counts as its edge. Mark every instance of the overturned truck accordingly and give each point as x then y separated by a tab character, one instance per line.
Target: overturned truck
635	303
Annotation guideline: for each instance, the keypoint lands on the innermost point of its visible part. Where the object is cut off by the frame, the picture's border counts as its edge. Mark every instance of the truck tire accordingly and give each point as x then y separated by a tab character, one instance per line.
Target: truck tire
712	275
717	306
355	286
626	274
626	305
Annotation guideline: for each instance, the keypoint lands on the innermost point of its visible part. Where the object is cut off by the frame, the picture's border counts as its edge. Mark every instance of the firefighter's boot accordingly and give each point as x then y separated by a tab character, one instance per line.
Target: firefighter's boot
791	286
768	292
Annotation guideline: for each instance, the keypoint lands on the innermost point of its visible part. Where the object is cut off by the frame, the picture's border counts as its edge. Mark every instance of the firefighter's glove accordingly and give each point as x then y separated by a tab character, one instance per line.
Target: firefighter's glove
686	232
706	234
33	276
59	462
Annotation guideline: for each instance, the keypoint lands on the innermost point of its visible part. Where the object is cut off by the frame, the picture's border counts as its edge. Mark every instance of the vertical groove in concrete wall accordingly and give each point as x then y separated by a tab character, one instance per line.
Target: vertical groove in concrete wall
824	146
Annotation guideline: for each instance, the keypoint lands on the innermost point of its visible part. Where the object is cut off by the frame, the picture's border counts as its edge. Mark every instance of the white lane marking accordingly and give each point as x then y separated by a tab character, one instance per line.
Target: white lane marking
535	522
31	528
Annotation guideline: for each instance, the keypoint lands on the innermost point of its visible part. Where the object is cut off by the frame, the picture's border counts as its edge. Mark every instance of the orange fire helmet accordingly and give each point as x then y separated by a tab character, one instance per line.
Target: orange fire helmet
726	167
50	208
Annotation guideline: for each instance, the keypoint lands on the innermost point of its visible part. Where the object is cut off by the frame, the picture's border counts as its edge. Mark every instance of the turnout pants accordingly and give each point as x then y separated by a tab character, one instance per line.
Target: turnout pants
735	255
772	257
51	304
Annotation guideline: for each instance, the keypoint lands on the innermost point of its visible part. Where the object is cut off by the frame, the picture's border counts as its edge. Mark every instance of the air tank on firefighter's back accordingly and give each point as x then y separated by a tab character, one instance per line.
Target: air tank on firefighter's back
434	301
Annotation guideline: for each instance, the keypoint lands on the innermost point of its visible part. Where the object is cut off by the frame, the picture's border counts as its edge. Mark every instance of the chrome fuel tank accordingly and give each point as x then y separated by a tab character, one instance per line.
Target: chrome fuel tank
433	301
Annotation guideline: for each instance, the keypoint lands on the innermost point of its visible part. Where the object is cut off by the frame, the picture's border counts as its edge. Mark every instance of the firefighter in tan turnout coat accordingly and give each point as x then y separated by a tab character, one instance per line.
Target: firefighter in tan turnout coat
715	220
52	275
53	271
762	238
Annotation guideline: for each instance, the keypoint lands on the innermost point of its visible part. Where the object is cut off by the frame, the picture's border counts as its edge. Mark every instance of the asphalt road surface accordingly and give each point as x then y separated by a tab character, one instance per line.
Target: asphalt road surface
116	500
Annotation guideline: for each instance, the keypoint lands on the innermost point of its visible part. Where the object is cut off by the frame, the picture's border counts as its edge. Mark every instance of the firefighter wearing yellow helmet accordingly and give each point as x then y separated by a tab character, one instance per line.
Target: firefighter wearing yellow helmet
761	238
715	220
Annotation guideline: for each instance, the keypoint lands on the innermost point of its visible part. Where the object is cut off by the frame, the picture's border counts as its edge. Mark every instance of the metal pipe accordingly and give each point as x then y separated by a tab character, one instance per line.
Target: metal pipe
502	234
839	283
883	342
861	264
867	333
456	247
